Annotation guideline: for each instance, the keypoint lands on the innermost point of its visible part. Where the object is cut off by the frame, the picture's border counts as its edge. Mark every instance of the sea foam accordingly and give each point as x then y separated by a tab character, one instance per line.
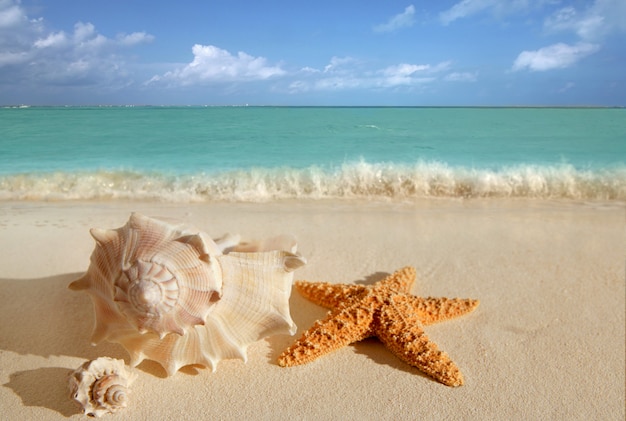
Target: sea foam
358	180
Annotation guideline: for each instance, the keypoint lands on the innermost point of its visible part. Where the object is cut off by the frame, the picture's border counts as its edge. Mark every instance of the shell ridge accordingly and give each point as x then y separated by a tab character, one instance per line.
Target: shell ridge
221	343
259	274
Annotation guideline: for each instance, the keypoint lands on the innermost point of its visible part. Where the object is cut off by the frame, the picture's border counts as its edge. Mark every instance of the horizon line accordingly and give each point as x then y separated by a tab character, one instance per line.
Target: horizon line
25	106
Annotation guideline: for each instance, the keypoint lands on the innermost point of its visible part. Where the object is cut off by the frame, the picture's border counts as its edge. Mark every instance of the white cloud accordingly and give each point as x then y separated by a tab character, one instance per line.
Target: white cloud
11	14
83	31
55	39
336	63
308	69
592	24
298	86
461	77
464	9
213	64
405	74
134	38
441	67
556	56
498	8
347	73
9	58
399	21
340	83
586	25
404	70
16	30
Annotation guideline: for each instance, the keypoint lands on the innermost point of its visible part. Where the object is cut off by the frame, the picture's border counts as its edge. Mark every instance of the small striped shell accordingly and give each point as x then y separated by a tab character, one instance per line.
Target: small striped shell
167	293
101	386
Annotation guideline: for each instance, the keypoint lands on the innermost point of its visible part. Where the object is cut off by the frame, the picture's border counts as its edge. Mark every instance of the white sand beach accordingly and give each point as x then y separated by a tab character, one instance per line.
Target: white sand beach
546	342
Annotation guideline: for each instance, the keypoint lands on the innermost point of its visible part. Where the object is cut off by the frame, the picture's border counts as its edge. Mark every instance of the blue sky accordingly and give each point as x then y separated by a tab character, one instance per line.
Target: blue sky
338	52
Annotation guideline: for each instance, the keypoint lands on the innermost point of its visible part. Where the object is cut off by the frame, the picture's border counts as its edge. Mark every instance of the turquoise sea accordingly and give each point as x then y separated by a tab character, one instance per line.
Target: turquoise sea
267	153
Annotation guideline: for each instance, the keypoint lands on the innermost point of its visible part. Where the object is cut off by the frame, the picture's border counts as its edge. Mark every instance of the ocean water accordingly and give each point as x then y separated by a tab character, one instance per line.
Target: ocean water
187	154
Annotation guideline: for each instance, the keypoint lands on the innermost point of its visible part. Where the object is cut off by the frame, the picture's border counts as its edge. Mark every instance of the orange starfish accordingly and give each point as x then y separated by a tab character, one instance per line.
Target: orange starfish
385	310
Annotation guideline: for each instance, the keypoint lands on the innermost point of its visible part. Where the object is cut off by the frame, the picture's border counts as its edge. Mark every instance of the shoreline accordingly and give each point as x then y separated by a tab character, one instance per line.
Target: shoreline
353	180
549	274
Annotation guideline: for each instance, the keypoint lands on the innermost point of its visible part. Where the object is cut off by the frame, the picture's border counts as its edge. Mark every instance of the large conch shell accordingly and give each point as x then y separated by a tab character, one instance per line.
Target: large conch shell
101	386
169	293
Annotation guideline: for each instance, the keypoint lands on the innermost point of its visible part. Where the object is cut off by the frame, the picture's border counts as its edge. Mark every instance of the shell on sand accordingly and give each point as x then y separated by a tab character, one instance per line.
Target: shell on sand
101	386
169	293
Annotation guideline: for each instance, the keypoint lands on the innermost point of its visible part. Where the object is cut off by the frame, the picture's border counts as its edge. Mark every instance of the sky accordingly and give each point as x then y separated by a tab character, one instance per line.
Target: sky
323	52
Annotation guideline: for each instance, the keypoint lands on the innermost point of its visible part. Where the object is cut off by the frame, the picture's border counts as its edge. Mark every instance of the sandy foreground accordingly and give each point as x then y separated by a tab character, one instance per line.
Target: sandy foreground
547	342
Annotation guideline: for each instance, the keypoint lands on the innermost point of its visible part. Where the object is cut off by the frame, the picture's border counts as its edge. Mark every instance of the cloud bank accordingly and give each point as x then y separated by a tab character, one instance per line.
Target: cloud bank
31	52
346	73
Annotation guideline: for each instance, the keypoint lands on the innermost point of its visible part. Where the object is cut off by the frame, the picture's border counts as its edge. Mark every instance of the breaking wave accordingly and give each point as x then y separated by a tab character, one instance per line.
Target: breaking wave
360	180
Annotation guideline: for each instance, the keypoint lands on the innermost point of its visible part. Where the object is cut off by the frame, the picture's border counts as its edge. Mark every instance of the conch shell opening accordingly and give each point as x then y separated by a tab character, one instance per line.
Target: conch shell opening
168	293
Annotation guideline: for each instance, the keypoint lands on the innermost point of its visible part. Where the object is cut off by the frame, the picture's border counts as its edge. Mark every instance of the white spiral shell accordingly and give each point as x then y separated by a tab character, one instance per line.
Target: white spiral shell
167	293
101	386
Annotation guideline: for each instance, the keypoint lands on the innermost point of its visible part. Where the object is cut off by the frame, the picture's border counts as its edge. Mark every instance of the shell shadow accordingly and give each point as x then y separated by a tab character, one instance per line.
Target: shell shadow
304	313
44	387
153	368
43	317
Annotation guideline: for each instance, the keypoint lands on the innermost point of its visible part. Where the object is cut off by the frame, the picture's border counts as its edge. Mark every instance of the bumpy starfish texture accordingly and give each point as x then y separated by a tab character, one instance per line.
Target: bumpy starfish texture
386	310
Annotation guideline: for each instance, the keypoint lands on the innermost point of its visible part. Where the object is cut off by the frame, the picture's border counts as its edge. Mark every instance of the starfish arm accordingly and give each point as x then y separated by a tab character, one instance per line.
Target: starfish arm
434	310
326	294
401	280
342	327
399	329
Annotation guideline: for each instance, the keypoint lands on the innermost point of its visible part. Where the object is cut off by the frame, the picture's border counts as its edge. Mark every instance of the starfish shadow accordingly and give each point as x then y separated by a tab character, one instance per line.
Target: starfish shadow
374	350
372	279
44	387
